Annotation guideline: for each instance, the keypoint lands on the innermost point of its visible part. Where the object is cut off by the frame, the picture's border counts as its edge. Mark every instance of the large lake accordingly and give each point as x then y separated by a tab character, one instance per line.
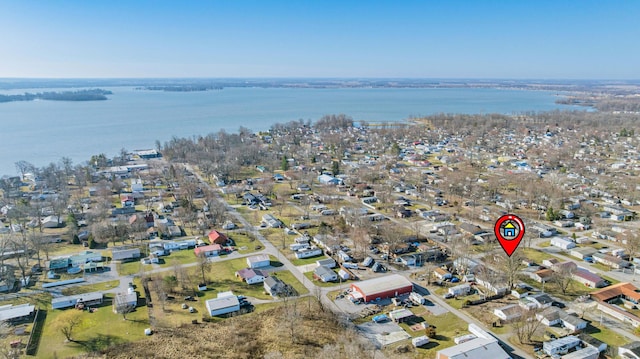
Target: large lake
44	131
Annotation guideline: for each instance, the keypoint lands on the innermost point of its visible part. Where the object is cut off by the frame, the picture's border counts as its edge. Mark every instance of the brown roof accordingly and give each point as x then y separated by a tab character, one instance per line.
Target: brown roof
626	289
544	273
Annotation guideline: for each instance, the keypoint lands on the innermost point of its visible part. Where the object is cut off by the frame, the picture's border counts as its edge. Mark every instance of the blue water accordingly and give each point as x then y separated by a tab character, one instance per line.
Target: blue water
44	131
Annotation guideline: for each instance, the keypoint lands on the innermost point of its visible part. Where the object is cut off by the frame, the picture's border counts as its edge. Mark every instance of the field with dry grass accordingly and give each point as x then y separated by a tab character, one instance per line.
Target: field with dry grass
297	329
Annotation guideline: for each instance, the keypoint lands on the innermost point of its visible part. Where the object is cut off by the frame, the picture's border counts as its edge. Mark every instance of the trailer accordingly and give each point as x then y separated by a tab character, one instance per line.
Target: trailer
420	341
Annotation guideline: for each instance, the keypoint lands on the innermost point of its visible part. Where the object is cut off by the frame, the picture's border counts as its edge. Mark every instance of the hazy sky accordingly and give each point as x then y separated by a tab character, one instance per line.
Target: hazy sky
445	39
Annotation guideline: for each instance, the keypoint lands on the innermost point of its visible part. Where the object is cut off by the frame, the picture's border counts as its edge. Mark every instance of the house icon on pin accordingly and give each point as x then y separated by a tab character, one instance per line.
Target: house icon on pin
509	230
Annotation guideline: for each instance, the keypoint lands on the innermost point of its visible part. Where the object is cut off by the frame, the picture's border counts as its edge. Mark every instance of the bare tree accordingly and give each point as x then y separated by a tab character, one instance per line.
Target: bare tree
563	276
204	265
68	322
526	326
510	266
122	307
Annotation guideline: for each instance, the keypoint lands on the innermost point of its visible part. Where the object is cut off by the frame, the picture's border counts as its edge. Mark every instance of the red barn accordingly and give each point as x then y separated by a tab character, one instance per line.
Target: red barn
217	238
383	287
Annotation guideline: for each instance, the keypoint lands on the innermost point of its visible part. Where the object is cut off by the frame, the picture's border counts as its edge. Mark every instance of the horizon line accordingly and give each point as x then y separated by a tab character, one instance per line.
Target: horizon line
328	78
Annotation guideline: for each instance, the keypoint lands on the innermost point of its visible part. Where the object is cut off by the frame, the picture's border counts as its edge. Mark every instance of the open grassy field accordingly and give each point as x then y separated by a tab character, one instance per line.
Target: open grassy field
88	288
448	326
536	255
96	331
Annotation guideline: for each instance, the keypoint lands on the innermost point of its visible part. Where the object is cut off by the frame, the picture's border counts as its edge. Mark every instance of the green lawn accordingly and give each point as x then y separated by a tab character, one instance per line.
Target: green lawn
96	331
91	287
309	276
288	278
536	255
222	278
178	257
448	326
245	243
606	335
305	261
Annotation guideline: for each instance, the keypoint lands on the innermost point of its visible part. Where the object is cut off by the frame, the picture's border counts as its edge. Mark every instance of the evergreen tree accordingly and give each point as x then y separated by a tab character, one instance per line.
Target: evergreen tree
285	163
551	216
335	168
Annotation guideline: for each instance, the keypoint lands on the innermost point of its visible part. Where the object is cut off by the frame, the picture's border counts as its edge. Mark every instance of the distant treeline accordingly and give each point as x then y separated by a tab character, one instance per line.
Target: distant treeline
604	102
80	95
181	88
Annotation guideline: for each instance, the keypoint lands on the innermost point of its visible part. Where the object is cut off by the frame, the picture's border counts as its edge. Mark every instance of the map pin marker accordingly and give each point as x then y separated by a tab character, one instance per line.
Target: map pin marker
509	230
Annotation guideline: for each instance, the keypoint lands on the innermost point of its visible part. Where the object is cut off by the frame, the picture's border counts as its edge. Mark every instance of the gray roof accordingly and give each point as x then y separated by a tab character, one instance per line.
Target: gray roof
479	348
86	297
324	272
222	303
125	253
633	346
8	312
272	281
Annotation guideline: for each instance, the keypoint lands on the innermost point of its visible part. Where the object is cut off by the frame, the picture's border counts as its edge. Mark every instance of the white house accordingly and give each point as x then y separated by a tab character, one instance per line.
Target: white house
258	261
252	276
508	312
308	253
630	351
562	243
224	305
442	274
539	301
325	274
462	289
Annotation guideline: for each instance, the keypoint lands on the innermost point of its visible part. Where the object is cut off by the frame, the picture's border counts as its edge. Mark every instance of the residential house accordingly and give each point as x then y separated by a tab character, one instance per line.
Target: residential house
125	254
216	237
222	305
85	257
51	222
460	290
550	262
555	316
252	276
258	261
582	252
589	279
587	352
308	253
276	288
562	243
484	345
272	221
611	261
629	351
325	274
14	313
328	262
613	299
561	346
542	275
85	299
441	273
492	280
123	302
329	180
593	342
508	312
211	250
539	301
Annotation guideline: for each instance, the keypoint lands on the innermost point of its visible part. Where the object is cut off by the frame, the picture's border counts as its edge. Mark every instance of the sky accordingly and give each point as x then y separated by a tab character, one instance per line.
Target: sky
522	39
